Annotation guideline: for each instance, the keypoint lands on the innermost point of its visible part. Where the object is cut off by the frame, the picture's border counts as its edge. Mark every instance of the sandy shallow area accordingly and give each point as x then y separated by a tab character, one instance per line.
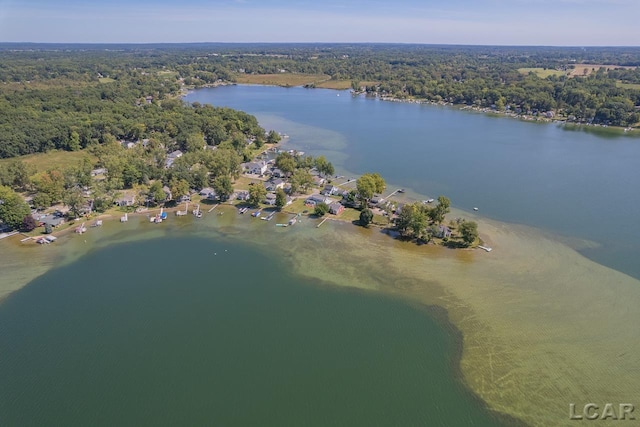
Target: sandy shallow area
542	326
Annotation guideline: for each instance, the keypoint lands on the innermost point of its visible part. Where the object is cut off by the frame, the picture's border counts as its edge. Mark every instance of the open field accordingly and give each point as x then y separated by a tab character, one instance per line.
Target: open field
586	69
281	79
55	159
542	72
106	80
635	86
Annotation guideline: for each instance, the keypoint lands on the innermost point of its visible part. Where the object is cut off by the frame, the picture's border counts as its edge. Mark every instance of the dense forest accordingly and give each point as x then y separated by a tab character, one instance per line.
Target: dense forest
75	96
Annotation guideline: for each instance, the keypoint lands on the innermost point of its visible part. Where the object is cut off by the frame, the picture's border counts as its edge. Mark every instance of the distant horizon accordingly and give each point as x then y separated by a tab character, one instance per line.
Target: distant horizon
553	23
347	43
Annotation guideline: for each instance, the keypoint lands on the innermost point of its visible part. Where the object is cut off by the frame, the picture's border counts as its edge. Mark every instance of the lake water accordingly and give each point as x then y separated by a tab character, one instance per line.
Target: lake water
573	183
145	324
192	331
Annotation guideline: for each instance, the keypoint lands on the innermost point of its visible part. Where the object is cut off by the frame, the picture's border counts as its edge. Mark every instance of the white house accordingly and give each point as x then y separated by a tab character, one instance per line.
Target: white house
256	168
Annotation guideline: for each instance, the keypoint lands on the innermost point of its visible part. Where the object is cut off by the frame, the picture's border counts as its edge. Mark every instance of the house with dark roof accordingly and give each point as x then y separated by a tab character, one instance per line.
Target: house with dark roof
336	208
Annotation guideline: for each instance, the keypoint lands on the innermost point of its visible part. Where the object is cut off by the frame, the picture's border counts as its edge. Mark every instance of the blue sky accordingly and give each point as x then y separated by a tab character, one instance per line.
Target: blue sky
503	22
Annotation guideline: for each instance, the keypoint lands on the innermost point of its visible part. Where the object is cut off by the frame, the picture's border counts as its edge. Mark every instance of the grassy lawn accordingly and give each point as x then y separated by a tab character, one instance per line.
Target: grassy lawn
55	159
243	183
635	86
541	72
281	79
341	84
105	80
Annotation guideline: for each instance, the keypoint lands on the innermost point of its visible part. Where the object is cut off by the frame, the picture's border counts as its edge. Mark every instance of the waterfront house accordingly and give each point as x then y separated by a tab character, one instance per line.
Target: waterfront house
206	191
273	185
330	190
336	208
242	195
316	199
127	199
270	199
318	180
256	168
51	220
277	173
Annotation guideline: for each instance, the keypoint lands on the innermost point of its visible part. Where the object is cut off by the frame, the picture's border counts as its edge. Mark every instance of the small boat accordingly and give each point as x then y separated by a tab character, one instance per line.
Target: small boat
475	209
428	201
243	210
255	214
401	190
293	221
50	239
98	223
124	218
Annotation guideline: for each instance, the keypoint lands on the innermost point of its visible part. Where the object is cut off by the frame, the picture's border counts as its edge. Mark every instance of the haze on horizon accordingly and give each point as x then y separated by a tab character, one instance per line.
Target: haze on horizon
470	22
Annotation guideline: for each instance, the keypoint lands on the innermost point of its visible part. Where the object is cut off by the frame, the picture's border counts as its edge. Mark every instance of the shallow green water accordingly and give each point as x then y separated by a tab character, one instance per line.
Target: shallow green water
188	331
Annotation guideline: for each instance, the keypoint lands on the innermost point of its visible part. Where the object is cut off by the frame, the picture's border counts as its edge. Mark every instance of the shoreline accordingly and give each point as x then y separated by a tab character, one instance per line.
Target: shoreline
624	131
450	289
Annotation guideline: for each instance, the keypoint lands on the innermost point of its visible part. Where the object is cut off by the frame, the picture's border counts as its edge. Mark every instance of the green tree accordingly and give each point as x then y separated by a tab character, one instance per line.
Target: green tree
281	199
51	183
273	137
41	201
16	174
418	222
286	163
223	186
131	175
324	167
157	193
366	216
438	213
74	200
179	188
301	180
469	232
257	193
13	208
368	185
193	142
321	209
74	141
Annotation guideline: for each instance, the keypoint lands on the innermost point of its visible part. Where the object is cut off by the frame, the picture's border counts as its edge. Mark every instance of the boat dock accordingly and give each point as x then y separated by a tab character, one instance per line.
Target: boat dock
214	206
486	248
323	221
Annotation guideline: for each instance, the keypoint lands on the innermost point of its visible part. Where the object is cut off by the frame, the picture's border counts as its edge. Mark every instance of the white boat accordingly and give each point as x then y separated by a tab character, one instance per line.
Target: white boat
428	201
98	223
124	218
475	209
81	229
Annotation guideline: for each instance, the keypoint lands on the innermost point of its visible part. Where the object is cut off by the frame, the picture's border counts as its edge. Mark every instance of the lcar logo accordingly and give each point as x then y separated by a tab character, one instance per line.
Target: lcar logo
608	411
